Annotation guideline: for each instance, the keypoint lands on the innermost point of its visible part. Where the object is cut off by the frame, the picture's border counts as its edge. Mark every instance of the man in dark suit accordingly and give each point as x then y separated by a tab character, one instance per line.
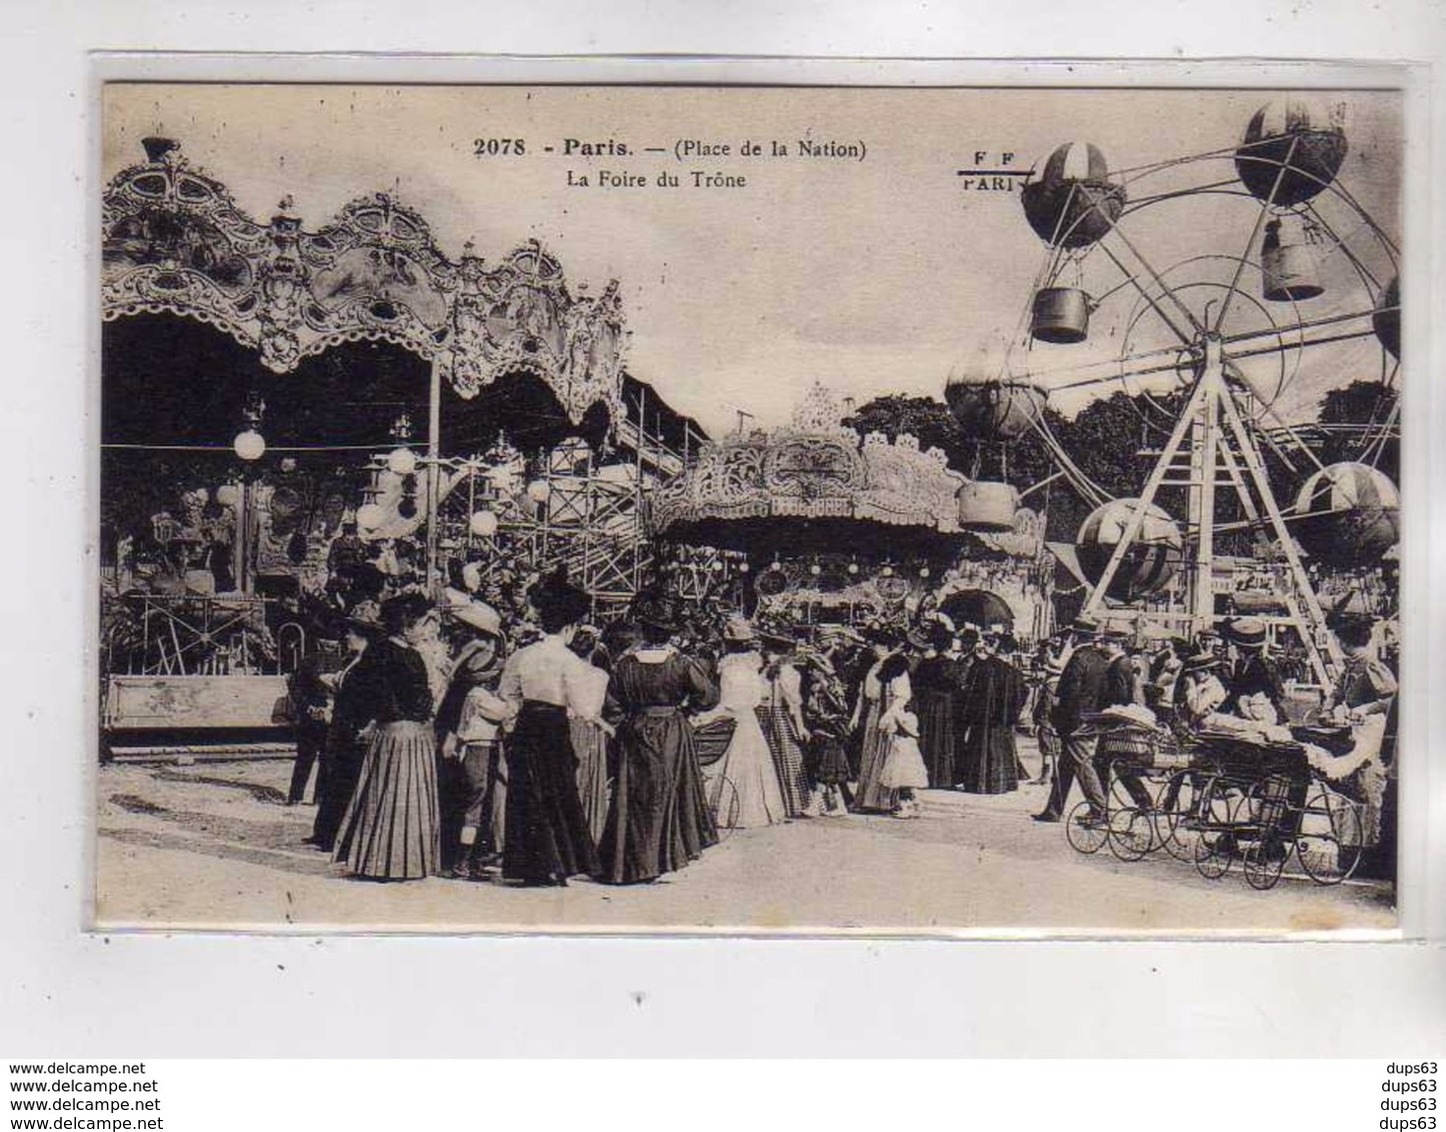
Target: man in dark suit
1092	679
1254	673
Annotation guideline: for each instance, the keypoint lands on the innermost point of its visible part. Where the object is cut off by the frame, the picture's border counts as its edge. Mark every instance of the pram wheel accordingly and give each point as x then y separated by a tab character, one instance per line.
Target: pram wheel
1131	824
725	807
1216	846
1086	834
1177	822
1264	860
1131	833
1329	842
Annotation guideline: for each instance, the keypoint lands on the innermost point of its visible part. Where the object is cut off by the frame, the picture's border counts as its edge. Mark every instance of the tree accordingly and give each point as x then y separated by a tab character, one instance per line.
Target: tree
924	418
1351	416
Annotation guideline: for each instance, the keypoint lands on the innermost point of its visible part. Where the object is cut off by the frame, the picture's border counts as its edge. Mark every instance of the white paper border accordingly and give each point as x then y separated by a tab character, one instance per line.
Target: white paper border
69	993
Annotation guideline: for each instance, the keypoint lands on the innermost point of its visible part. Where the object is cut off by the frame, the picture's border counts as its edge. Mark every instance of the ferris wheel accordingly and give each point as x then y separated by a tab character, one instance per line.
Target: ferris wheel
1218	289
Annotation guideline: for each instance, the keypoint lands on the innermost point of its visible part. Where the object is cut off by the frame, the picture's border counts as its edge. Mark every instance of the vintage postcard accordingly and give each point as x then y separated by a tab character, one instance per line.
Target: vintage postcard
749	509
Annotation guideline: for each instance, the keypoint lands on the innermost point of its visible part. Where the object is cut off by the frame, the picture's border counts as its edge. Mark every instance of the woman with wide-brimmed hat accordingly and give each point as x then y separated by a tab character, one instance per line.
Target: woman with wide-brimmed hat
885	692
658	817
391	829
547	836
742	786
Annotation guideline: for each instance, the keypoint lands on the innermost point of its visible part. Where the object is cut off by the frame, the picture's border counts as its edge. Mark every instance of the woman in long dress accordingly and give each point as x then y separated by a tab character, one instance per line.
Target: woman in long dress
885	689
937	687
781	715
658	819
547	838
742	786
988	762
391	829
590	733
345	750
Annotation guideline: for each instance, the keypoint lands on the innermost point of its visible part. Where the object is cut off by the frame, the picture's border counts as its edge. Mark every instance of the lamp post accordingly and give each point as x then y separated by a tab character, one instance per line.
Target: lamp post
249	446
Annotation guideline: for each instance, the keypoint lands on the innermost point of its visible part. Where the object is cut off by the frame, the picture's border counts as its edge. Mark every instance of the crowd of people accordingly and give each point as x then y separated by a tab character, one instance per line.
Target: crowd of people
1225	687
521	743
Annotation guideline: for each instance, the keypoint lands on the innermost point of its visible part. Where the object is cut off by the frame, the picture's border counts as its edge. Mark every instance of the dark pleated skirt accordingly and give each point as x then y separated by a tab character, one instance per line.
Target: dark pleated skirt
832	763
391	827
658	819
547	835
937	736
987	760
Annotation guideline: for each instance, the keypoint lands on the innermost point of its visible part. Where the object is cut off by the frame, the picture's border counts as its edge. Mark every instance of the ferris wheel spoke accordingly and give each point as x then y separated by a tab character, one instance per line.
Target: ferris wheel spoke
1306	324
1260	215
1132	279
1301	343
1195	325
1340	245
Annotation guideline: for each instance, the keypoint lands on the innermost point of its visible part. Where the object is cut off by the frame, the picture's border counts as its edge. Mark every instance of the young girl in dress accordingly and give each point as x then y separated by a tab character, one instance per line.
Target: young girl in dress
904	770
827	718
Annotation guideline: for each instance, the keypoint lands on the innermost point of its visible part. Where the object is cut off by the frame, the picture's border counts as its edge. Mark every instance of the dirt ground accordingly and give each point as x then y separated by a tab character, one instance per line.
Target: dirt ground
213	846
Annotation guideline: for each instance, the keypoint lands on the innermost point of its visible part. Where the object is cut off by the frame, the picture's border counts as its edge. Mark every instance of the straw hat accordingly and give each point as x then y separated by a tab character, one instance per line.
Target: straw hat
1200	661
1248	632
471	612
739	631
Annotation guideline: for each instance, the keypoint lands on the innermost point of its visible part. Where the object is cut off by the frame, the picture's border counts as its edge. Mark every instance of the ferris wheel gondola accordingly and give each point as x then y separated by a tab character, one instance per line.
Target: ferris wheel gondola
1214	343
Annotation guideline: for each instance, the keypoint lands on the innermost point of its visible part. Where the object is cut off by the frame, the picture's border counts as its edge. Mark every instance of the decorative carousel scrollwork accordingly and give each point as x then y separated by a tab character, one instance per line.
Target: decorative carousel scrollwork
814	469
174	242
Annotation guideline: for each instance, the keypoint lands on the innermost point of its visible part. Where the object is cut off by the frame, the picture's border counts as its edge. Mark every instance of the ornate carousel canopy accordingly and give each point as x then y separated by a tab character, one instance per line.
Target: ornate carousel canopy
815	470
174	242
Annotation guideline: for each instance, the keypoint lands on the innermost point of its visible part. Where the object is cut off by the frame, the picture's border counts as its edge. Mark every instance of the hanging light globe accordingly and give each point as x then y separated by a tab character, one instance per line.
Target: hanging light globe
924	571
402	461
538	491
853	567
815	569
483	524
369	516
249	445
743	567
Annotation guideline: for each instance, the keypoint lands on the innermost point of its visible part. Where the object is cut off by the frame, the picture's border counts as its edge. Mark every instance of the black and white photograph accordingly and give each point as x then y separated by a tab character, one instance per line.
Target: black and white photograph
934	511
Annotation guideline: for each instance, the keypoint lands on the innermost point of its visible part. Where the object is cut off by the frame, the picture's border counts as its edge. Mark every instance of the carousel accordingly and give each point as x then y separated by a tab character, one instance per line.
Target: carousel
815	524
275	394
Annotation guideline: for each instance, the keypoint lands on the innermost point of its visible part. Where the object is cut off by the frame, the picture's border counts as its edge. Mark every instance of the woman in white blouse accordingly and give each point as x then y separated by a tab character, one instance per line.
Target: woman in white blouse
545	683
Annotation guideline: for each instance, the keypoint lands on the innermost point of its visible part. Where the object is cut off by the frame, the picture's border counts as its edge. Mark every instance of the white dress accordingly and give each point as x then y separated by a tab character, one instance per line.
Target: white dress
742	786
903	761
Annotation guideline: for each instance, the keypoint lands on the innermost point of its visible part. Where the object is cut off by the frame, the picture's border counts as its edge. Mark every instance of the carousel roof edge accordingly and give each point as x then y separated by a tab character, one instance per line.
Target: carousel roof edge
175	242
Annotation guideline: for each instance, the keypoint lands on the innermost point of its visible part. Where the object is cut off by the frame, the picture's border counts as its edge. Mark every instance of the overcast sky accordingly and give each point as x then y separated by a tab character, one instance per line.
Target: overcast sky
874	276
